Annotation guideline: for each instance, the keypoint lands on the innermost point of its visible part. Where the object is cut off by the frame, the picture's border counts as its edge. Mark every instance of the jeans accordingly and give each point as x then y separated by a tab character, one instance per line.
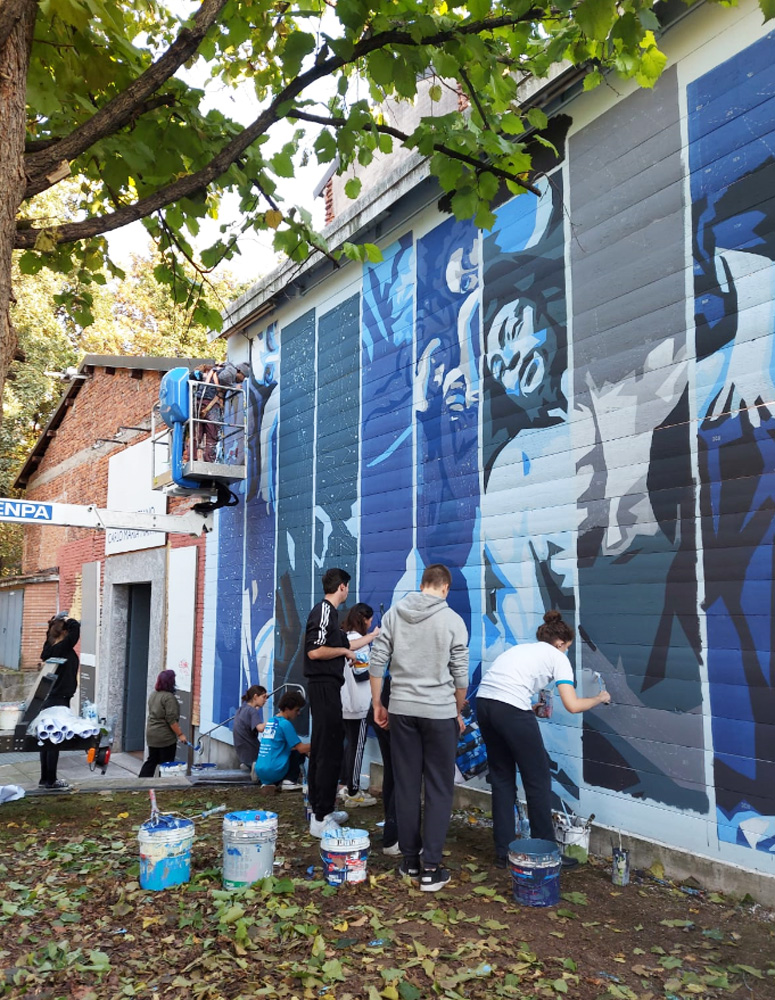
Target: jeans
513	739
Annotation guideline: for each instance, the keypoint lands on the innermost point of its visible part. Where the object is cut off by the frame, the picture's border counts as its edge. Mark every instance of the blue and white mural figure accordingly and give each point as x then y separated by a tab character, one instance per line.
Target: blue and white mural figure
528	473
388	558
732	160
446	403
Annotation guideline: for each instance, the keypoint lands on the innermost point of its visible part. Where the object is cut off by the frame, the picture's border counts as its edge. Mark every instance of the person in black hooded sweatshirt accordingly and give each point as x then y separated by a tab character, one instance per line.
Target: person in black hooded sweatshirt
61	639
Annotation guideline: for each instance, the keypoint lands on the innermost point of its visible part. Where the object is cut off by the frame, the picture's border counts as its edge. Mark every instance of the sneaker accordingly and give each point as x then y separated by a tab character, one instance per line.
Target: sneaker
319	827
501	861
58	785
339	816
359	799
567	863
289	786
342	792
409	871
394	851
433	879
254	777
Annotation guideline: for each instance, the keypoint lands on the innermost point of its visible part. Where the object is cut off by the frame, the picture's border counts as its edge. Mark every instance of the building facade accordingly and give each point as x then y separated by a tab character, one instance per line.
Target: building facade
574	410
139	594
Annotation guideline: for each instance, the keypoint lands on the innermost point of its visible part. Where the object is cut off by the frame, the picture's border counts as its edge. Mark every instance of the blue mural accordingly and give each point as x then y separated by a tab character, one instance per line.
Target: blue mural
528	406
731	131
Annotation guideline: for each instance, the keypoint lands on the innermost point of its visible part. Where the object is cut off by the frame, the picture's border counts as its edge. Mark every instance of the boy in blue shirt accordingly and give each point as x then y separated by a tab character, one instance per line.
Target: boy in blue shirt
280	755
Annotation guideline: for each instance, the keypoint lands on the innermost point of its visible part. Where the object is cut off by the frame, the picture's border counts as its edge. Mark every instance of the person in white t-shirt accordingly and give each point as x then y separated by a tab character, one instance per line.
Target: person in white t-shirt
507	719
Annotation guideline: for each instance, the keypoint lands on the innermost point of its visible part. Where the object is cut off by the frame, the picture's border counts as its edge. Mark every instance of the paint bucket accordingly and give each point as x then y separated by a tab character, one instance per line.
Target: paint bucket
572	834
248	847
165	852
345	854
9	714
535	872
620	872
172	769
205	768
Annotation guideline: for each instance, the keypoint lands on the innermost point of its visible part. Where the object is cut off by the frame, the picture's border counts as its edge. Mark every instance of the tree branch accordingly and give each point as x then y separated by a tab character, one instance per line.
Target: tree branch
184	187
479	166
11	12
124	106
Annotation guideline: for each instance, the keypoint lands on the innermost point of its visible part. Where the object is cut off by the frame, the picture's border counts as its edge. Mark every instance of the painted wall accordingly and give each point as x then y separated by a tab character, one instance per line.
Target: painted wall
574	410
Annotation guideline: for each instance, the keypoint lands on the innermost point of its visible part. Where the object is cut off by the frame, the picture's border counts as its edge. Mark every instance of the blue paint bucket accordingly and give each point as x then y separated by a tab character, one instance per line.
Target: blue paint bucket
165	852
248	847
345	855
535	872
172	769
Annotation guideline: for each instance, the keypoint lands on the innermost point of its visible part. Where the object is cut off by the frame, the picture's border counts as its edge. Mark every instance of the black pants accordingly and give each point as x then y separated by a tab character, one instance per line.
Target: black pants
49	758
293	773
325	758
390	830
156	756
355	733
513	740
49	754
423	750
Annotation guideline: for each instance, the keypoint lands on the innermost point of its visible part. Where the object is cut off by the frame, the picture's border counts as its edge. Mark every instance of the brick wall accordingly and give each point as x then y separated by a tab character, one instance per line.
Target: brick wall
40	603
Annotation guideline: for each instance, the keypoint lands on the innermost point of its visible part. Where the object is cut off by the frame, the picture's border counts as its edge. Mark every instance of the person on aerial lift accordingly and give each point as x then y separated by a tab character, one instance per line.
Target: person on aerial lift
208	404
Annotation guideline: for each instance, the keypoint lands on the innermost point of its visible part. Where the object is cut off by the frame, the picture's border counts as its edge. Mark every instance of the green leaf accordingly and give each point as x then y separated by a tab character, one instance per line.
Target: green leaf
434	92
593	79
596	18
767	8
408	991
537	118
560	985
297	45
353	187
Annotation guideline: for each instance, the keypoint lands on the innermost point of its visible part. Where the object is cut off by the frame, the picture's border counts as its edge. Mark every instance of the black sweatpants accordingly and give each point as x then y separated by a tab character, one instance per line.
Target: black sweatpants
423	750
513	739
325	758
355	733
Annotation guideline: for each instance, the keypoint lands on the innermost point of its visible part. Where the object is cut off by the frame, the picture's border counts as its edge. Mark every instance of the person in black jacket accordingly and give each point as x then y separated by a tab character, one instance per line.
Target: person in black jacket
326	647
61	639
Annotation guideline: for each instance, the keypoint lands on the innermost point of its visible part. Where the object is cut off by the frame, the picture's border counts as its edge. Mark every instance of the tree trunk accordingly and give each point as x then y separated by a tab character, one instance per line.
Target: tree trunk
18	17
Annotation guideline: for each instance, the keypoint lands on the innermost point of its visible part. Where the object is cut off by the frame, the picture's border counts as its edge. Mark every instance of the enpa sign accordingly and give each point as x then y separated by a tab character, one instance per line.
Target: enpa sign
24	510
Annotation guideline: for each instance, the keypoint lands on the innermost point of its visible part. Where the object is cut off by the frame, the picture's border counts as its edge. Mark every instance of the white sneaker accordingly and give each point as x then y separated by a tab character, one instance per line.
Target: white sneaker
290	786
359	799
342	792
319	827
394	851
339	816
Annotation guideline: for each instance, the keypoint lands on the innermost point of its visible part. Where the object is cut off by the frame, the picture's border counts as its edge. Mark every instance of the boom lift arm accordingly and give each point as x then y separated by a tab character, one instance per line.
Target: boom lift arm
193	522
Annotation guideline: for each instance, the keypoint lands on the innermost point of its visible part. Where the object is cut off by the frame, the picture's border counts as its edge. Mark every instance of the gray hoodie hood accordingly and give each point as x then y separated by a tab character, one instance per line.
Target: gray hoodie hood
418	607
426	644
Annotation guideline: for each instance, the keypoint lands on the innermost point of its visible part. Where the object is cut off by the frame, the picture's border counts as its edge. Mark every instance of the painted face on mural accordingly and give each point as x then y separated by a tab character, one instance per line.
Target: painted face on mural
516	349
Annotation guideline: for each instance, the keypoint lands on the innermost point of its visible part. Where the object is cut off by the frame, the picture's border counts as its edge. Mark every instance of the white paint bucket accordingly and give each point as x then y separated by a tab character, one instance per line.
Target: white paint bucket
165	852
9	714
572	831
172	769
248	847
345	854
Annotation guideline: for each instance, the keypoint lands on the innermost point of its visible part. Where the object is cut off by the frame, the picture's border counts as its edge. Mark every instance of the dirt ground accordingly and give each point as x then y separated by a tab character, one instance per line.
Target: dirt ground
75	923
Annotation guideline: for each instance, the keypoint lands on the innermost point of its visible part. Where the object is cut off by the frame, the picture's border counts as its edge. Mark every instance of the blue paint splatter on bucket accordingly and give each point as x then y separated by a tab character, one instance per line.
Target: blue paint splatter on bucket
165	852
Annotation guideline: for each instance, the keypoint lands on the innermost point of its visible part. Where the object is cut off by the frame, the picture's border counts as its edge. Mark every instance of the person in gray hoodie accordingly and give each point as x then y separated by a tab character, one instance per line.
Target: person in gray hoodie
425	643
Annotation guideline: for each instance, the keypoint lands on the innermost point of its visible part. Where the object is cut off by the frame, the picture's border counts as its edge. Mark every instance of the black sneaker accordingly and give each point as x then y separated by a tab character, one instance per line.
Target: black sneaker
433	879
501	861
58	785
409	871
567	863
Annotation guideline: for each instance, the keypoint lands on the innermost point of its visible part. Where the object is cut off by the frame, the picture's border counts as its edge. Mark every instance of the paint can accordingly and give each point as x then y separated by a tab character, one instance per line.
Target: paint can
172	769
248	847
571	831
535	872
9	714
544	706
345	854
165	851
620	871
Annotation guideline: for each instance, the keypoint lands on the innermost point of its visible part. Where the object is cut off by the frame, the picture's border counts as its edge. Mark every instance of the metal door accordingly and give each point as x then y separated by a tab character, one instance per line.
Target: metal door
137	643
11	606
